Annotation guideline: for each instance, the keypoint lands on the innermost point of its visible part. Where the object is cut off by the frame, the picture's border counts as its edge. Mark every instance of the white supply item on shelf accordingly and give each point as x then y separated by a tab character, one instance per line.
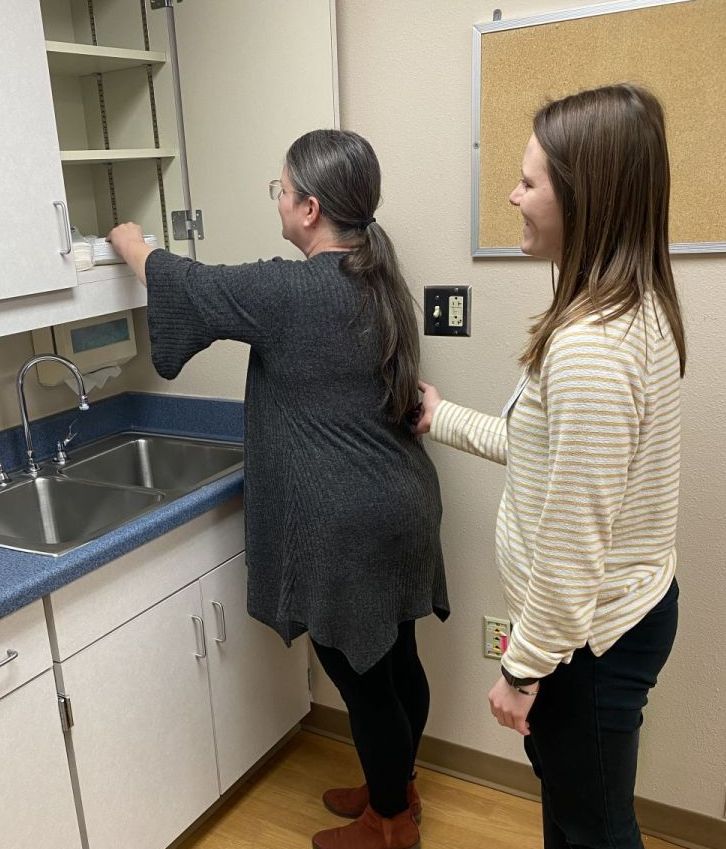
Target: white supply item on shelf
82	250
104	254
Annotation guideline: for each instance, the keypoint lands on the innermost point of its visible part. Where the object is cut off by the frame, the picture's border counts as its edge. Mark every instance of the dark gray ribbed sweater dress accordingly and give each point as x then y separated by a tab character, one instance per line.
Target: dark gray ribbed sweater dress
342	507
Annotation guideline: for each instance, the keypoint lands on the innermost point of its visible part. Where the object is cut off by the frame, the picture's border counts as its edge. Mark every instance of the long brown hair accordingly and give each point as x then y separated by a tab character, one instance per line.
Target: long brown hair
341	170
607	160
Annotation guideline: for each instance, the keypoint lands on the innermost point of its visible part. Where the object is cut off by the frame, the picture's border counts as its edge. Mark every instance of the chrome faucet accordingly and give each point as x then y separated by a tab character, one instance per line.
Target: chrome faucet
33	468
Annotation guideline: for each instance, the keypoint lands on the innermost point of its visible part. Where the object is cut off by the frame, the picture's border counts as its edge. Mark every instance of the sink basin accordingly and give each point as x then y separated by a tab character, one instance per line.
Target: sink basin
105	484
157	462
53	514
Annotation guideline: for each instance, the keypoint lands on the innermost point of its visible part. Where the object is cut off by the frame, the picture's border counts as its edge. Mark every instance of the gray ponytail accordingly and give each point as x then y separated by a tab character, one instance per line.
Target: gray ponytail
341	170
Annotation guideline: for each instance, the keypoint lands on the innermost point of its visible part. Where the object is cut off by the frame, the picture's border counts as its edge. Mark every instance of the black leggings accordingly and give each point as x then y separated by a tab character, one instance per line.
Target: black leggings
388	706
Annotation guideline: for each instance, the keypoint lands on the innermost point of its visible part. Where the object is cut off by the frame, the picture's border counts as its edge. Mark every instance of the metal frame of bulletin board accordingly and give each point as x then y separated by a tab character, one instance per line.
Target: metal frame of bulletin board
673	47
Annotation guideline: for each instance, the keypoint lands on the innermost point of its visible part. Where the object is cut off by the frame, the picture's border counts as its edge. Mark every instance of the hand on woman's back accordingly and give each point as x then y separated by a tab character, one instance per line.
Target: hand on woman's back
429	403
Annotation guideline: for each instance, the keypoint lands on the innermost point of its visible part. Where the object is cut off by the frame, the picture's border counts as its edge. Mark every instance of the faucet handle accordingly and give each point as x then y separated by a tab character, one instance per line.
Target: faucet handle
61	457
71	435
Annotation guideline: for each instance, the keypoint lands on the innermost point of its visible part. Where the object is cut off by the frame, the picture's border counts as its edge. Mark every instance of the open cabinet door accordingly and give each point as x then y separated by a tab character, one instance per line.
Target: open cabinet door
254	76
35	248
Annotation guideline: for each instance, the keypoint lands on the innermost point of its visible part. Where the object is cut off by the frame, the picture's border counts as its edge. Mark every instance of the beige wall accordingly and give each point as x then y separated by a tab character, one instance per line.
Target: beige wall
42	401
405	84
405	71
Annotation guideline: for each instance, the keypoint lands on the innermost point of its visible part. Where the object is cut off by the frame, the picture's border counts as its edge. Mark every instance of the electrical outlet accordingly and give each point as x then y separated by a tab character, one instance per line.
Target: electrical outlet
496	636
447	310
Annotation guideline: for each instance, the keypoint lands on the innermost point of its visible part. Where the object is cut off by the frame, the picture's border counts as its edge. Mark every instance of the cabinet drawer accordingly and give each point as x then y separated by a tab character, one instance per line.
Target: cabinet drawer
101	601
23	632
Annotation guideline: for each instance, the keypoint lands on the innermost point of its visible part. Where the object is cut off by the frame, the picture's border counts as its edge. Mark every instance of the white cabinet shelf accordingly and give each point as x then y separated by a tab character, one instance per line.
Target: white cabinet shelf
84	157
76	60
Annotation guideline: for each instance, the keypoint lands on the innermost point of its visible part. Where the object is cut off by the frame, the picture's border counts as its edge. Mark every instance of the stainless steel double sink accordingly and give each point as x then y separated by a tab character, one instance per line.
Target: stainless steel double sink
104	485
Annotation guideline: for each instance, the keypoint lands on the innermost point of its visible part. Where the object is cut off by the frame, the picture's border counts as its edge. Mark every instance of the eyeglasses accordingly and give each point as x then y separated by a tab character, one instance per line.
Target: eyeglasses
275	189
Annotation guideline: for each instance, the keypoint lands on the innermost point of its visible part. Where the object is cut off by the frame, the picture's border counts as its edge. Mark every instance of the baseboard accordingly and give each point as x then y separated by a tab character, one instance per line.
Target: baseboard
685	828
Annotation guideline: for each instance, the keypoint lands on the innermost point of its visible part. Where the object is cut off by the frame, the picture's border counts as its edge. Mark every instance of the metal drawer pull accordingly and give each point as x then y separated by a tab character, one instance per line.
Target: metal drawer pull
66	226
11	656
199	634
221	624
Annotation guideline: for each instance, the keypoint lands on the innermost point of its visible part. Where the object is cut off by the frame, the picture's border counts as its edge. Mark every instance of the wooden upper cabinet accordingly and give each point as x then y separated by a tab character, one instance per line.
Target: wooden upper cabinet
34	216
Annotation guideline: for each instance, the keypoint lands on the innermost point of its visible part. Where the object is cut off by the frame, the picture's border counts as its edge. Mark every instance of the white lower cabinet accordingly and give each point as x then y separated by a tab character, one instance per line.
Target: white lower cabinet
180	693
258	686
35	782
142	732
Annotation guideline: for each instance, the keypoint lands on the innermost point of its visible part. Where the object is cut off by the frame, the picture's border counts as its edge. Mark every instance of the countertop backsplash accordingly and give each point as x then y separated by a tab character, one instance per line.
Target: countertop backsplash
209	418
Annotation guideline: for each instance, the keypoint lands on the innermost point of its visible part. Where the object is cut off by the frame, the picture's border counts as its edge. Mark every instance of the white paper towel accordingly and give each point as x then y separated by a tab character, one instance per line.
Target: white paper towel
94	379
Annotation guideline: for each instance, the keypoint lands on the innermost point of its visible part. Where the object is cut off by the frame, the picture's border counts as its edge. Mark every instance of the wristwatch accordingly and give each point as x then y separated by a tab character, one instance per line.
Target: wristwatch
517	682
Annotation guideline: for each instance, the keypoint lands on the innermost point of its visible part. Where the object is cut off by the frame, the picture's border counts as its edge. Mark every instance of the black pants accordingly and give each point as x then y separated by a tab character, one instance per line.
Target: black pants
584	729
388	707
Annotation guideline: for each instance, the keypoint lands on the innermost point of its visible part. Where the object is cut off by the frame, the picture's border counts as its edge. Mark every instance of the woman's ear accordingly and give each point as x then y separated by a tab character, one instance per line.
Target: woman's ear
312	213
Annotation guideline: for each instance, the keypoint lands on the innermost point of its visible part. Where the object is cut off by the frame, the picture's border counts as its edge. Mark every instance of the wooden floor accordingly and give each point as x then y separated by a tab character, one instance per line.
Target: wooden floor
280	807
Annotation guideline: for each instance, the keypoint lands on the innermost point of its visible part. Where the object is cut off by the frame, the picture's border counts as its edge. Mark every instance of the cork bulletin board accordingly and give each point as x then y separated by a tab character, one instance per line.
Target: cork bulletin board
677	48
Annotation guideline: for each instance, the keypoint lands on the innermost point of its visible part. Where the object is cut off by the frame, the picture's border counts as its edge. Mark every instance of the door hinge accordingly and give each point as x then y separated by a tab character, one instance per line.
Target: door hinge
184	223
163	4
66	711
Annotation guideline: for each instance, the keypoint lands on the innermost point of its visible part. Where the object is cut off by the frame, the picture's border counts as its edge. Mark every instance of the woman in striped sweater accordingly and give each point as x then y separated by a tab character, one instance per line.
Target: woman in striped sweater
586	527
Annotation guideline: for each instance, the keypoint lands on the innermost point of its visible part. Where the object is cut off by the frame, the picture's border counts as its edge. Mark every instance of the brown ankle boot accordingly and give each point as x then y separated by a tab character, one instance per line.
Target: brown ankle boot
350	802
372	831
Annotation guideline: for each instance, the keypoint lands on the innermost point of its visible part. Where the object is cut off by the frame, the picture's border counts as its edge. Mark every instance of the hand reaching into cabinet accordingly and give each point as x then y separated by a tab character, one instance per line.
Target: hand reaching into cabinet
128	242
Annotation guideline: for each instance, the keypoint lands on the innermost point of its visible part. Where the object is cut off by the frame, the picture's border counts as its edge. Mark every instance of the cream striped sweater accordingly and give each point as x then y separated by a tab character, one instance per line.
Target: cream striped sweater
585	537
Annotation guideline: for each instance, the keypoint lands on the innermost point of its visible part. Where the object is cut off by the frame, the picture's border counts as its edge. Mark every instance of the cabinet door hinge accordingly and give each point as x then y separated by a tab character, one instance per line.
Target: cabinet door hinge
163	4
184	223
66	711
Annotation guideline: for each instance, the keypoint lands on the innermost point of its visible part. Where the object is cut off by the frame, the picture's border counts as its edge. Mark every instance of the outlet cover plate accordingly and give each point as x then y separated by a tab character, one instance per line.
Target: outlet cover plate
496	636
447	310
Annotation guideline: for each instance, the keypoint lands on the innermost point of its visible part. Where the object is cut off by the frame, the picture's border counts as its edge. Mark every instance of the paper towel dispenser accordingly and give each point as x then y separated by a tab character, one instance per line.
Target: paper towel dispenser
91	343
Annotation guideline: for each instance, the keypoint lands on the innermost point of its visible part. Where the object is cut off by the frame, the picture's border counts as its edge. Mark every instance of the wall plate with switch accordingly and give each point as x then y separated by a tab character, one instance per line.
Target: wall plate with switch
447	310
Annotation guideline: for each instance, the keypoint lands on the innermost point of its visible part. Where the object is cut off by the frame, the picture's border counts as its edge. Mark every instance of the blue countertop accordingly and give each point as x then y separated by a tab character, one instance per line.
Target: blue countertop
26	577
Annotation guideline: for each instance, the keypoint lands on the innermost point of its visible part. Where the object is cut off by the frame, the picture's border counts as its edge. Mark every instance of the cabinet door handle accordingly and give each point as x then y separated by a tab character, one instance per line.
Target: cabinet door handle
66	226
221	624
11	656
199	634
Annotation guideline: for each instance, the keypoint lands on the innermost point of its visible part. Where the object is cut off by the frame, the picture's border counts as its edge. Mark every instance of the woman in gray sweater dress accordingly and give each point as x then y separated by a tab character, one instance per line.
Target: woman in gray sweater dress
342	503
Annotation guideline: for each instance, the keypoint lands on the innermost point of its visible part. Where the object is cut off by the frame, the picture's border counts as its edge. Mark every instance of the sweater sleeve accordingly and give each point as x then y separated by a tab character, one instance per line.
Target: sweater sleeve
593	398
470	431
191	305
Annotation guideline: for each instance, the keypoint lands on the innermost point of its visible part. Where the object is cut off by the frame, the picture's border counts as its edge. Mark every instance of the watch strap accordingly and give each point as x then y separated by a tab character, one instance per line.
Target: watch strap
517	682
